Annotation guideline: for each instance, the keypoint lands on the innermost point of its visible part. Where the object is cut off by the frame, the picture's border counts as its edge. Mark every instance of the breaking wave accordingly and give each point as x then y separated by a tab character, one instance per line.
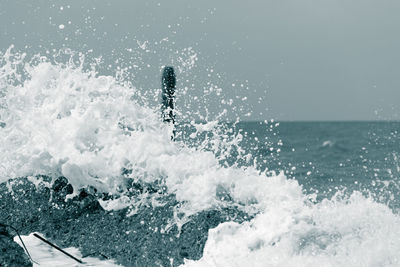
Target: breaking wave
65	119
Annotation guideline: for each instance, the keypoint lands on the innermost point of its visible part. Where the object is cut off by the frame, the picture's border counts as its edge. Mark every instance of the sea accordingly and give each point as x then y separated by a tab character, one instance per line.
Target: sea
207	191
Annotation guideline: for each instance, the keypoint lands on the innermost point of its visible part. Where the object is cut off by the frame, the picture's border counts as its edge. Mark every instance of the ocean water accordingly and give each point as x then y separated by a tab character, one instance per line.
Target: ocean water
327	157
299	193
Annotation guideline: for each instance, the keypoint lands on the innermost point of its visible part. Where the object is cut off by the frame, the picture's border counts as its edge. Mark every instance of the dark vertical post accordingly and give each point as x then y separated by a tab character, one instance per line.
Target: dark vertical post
168	83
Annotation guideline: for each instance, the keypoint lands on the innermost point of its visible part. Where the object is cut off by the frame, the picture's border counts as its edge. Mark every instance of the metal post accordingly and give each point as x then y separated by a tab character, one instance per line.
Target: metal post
168	83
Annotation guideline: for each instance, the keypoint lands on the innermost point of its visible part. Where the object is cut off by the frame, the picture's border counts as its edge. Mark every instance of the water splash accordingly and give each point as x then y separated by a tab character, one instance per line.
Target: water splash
60	117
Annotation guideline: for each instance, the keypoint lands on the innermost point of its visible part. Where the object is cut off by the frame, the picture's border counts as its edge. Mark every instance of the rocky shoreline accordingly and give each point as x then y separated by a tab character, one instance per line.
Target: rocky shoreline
81	222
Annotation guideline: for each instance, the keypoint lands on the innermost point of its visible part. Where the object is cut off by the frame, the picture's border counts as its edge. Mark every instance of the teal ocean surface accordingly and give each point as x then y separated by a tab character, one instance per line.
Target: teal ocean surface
326	157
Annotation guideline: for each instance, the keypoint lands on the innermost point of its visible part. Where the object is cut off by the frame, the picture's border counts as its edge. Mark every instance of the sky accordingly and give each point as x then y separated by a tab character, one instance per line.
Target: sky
281	59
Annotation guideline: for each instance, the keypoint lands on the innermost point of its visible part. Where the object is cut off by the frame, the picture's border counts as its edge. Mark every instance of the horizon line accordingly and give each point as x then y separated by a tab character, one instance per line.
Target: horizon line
304	121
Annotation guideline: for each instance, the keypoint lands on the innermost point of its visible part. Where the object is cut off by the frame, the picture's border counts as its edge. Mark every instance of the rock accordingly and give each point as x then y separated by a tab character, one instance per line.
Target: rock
11	254
61	188
61	185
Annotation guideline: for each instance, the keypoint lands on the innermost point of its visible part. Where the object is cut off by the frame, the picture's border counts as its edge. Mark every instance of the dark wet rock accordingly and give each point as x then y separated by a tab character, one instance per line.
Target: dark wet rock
141	239
136	188
11	254
61	188
87	202
60	184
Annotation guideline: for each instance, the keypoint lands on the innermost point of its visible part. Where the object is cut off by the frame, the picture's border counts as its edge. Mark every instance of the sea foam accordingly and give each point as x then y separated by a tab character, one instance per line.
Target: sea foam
338	232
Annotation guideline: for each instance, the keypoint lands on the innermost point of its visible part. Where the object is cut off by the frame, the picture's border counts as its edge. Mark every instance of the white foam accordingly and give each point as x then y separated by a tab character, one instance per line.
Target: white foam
352	232
65	121
328	143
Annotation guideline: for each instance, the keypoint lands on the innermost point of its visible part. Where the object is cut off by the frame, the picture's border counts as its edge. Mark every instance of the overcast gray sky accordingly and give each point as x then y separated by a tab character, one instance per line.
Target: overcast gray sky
300	59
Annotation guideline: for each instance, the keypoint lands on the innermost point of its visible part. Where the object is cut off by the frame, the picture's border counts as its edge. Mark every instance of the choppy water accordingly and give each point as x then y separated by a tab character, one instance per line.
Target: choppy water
329	156
316	194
